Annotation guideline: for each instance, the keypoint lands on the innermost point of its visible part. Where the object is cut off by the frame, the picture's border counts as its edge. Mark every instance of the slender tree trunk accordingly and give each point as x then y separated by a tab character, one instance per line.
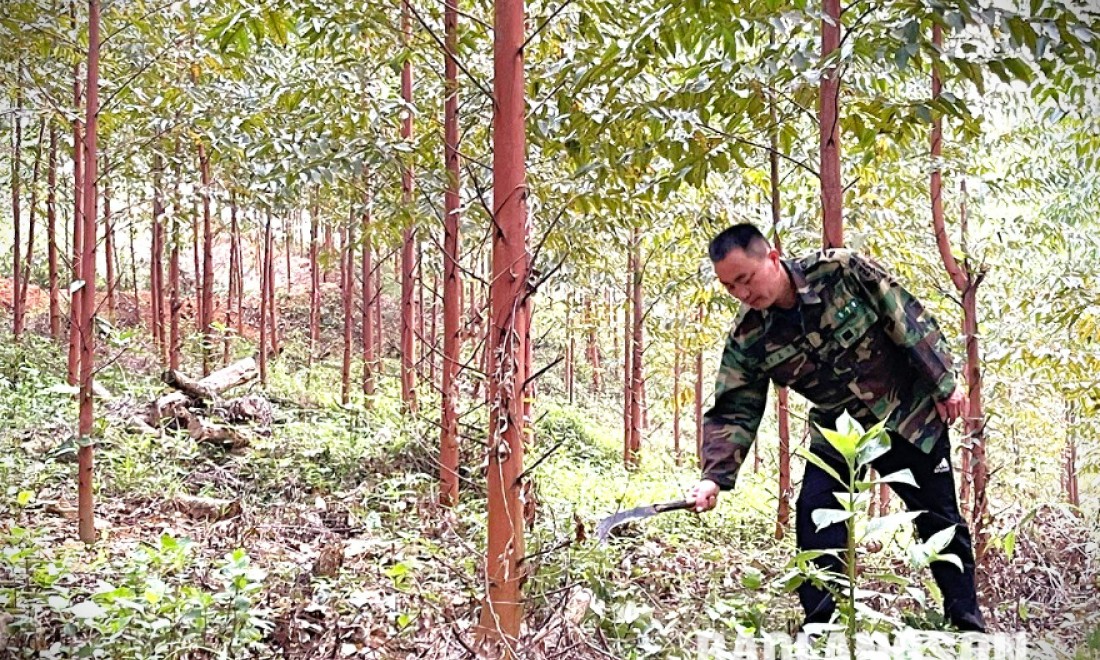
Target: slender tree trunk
783	515
77	243
272	310
85	510
699	395
51	237
347	291
206	323
175	301
265	275
452	283
156	261
829	121
423	341
109	244
233	294
408	342
378	318
369	298
637	400
200	314
31	220
314	283
503	612
16	251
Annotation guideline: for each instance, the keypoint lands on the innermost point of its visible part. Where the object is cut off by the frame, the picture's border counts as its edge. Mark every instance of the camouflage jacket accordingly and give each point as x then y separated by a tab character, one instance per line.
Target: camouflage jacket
855	340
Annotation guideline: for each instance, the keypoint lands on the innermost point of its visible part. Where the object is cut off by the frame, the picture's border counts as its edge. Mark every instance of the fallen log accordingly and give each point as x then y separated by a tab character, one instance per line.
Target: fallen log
206	389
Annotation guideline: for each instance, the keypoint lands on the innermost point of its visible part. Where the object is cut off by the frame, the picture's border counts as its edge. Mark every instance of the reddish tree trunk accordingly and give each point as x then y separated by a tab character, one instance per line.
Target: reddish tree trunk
829	122
16	251
85	510
423	345
452	284
77	244
570	345
51	237
197	265
175	302
783	515
207	319
265	276
503	612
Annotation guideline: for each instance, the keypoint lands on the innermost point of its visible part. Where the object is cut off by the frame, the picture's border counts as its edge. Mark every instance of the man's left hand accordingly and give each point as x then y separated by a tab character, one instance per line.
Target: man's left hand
955	406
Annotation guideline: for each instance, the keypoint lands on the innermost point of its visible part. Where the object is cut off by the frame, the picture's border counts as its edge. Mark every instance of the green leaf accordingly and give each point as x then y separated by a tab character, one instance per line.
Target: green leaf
825	517
940	539
1010	544
886	525
872	444
752	579
948	557
900	477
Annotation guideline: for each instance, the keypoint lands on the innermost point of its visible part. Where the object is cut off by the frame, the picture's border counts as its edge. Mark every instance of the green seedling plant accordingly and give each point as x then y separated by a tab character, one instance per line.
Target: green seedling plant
859	448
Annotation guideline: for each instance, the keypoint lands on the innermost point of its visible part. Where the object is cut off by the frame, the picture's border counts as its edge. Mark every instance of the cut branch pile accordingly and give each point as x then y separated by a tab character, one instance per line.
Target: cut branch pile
198	406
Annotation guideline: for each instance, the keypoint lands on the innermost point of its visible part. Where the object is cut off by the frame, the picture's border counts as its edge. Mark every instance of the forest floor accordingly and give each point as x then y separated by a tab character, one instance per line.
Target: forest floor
335	546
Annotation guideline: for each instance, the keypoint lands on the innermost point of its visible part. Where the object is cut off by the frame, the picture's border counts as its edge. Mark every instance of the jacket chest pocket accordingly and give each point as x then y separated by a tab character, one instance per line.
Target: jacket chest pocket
788	365
853	346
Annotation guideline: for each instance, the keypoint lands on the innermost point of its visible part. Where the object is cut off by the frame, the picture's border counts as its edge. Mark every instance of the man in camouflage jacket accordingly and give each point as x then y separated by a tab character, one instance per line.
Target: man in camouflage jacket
837	329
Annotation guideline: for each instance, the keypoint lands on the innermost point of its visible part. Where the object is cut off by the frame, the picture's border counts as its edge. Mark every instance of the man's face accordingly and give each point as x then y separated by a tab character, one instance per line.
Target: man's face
755	280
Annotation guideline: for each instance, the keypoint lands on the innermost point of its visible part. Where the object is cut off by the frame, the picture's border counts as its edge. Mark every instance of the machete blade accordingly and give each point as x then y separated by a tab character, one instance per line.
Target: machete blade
611	522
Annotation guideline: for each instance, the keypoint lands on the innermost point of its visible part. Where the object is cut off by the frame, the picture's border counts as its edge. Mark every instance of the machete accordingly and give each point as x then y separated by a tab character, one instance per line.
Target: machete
611	522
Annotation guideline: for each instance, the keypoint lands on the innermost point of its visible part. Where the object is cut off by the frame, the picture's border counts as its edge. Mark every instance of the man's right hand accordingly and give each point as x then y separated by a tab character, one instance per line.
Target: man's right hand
705	494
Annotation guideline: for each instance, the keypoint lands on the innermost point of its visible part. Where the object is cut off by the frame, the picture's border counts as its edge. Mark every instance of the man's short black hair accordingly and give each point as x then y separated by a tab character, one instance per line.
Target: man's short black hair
744	236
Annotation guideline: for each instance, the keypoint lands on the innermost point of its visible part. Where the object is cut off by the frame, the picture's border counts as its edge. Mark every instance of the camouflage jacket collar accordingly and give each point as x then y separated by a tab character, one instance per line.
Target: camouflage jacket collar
806	294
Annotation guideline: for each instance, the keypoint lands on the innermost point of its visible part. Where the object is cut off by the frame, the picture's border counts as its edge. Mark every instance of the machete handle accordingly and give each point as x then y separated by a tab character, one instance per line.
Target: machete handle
674	506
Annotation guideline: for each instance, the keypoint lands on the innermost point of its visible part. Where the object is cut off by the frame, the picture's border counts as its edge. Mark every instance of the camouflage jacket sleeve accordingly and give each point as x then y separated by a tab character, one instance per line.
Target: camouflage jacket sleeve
729	427
907	324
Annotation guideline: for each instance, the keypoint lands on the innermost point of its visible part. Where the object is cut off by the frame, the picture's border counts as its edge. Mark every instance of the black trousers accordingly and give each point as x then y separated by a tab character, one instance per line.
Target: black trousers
935	497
